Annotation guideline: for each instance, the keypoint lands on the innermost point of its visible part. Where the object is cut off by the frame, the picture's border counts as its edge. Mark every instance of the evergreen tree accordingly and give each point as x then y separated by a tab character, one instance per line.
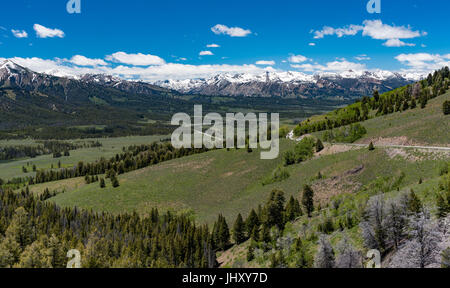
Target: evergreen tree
102	183
20	228
32	257
414	203
443	202
251	222
293	209
319	145
221	233
365	110
308	199
423	103
300	251
405	105
274	210
413	103
376	95
239	230
114	181
273	261
250	252
255	234
265	234
446	107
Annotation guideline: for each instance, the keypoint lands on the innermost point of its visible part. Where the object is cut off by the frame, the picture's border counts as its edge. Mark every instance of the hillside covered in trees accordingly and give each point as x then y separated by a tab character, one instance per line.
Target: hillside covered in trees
414	96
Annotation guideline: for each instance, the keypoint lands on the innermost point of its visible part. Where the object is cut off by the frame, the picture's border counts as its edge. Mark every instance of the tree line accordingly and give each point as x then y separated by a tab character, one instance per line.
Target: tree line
37	234
43	148
130	159
401	99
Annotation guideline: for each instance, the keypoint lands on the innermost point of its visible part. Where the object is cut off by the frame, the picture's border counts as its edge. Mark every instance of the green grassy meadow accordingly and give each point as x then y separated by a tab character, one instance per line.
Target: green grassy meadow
111	146
428	126
230	182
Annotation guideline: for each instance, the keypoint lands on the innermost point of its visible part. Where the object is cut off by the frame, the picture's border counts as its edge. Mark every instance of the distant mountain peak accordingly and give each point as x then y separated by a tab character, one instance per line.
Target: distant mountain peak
347	84
11	67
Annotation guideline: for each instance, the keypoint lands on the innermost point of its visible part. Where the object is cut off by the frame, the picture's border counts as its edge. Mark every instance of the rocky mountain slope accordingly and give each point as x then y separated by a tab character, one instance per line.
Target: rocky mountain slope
349	84
31	98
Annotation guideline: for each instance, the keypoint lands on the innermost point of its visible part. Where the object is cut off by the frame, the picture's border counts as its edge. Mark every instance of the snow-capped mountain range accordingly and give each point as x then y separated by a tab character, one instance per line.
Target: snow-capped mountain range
14	75
289	84
351	84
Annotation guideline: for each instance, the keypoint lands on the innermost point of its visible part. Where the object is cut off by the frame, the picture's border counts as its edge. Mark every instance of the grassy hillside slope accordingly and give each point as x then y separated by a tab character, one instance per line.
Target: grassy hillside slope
230	182
307	228
428	126
205	184
111	146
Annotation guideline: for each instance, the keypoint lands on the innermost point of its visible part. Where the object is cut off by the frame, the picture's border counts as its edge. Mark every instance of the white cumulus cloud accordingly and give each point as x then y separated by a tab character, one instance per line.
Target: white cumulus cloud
205	53
334	66
138	59
424	62
213	45
362	57
19	33
44	32
377	30
298	59
397	43
230	31
81	60
265	62
374	29
350	30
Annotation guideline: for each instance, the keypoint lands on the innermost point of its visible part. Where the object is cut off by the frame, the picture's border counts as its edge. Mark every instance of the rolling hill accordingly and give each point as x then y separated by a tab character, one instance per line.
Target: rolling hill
230	182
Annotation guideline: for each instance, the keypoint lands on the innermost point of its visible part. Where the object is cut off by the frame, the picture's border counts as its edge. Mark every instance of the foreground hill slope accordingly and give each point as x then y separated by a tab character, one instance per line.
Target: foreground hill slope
428	126
418	127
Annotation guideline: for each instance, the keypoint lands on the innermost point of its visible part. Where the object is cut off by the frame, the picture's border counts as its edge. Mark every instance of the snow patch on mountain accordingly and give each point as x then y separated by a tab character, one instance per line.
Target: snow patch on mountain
292	77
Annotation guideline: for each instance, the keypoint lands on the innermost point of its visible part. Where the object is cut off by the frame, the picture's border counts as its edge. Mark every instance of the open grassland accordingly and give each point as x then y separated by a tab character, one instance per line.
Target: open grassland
428	126
111	146
230	182
205	184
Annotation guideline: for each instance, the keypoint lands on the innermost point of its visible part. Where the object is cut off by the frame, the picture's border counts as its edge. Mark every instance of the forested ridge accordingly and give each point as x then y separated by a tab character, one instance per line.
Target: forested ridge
37	234
42	148
414	96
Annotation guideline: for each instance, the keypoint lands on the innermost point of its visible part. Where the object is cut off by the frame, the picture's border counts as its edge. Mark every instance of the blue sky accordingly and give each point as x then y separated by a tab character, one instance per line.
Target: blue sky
159	39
